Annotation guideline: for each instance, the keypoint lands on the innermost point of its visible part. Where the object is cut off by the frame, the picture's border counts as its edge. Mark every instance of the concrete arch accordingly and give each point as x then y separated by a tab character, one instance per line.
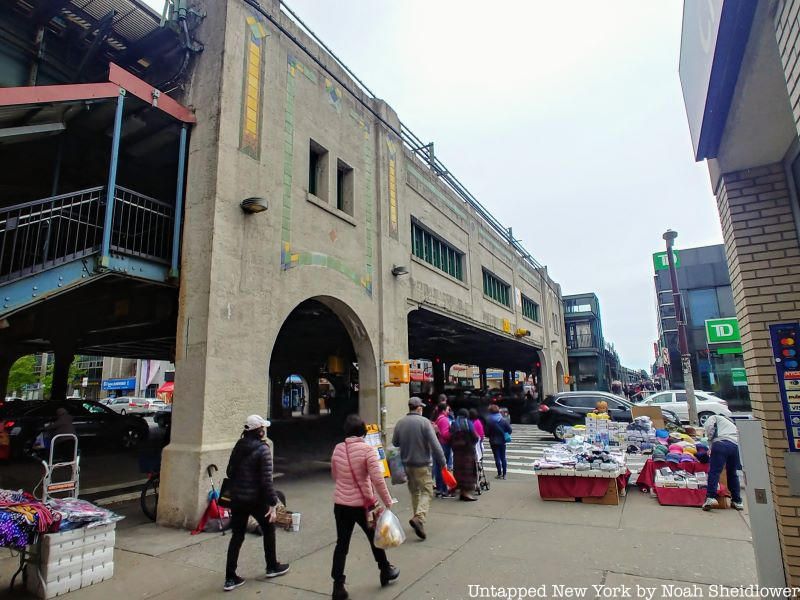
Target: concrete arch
368	380
560	385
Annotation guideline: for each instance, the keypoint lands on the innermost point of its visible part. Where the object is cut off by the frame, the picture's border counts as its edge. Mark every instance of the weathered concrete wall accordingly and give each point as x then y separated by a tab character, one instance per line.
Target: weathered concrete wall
260	102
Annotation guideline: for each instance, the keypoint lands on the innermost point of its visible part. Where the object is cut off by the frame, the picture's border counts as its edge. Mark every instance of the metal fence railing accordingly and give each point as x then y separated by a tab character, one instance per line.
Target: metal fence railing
38	235
576	342
142	226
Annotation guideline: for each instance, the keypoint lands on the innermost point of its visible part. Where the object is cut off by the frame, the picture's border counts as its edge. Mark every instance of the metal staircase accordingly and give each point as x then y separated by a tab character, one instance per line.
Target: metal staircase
51	245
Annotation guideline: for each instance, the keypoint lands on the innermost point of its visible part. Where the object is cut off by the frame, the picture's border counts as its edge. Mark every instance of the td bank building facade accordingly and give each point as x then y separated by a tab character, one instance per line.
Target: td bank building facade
739	70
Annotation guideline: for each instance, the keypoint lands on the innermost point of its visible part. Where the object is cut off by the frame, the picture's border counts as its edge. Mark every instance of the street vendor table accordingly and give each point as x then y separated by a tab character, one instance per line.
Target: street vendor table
647	475
595	489
685	496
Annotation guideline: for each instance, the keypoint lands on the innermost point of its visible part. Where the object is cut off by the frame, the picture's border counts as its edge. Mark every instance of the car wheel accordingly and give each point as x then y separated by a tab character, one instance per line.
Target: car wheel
132	437
703	417
560	431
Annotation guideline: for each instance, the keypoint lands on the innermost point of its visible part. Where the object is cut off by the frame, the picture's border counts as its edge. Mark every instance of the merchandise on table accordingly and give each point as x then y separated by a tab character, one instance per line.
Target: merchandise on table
76	513
22	516
584	460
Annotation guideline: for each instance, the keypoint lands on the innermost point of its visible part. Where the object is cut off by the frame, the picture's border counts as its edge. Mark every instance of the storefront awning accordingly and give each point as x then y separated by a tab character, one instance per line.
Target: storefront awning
166	388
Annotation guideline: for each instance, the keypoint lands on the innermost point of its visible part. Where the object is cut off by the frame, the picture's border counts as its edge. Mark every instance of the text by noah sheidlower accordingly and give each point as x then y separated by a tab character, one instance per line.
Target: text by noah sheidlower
646	592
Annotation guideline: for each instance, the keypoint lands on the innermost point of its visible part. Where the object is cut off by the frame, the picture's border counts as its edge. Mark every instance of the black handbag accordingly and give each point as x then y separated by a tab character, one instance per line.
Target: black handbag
224	499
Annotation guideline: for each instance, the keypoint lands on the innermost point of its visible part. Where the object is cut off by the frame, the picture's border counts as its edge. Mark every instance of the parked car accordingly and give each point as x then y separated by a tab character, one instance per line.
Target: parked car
565	409
129	405
94	423
675	400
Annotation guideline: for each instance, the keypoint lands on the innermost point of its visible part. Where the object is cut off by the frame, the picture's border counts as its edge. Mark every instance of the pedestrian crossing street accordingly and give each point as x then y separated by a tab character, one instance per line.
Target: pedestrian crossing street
527	444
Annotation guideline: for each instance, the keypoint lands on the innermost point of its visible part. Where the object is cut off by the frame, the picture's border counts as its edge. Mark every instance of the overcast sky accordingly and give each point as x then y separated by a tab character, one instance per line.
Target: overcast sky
564	119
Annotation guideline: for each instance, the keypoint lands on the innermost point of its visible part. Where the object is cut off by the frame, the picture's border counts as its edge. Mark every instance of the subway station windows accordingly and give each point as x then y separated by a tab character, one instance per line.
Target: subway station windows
495	288
436	252
344	187
530	309
318	170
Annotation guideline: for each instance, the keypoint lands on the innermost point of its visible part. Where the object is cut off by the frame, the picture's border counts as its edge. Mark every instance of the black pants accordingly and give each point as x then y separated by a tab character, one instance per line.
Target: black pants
239	516
346	518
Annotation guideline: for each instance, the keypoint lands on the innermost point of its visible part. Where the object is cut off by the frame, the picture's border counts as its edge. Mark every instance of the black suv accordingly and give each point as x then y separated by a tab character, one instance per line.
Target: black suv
93	422
563	410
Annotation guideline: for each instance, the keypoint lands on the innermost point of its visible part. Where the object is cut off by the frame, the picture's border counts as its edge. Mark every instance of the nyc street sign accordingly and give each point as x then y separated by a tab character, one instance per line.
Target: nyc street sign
661	262
721	331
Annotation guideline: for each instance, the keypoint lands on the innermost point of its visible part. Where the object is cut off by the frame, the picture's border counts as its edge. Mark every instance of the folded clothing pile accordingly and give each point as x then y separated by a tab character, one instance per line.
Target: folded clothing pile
75	513
21	517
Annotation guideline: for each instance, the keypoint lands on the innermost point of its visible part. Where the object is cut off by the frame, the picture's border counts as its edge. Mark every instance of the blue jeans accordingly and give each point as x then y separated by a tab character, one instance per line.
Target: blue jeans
499	451
437	468
724	455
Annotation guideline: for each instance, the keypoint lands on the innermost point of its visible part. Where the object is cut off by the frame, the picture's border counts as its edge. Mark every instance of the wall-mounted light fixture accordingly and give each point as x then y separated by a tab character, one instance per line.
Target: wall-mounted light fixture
254	205
398	270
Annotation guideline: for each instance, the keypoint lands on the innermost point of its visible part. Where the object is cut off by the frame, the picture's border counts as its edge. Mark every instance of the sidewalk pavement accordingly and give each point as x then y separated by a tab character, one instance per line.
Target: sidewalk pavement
510	537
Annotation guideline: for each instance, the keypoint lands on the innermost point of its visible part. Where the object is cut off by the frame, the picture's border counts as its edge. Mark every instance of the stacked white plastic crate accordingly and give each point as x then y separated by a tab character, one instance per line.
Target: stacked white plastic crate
71	560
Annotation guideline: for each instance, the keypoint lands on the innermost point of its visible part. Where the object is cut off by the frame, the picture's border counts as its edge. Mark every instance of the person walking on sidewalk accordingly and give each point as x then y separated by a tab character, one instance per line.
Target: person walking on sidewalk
415	437
499	432
358	476
252	493
441	422
463	439
724	440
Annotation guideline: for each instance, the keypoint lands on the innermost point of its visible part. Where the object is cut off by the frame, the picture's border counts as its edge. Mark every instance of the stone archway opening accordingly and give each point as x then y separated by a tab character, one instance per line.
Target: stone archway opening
560	385
321	369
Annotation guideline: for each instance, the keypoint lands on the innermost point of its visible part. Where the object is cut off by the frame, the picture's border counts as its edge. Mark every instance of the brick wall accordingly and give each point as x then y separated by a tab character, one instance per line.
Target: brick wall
787	30
762	248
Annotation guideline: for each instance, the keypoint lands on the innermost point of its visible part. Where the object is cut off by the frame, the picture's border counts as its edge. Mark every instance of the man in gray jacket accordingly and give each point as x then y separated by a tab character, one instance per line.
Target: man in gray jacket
415	437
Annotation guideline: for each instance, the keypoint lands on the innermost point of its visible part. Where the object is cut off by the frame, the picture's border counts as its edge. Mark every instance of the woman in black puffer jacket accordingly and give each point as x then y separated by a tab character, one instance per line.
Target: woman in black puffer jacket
252	493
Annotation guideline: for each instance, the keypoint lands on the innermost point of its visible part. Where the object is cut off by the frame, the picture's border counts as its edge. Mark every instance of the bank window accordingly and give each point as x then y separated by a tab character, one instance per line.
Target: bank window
436	252
318	170
703	305
344	187
495	289
530	309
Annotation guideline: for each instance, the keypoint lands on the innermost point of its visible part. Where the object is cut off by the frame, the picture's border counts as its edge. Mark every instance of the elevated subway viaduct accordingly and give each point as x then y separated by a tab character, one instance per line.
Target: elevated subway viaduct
369	250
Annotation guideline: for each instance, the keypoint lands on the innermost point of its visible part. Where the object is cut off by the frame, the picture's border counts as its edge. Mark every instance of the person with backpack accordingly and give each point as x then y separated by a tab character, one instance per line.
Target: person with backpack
358	476
724	440
462	440
499	432
252	493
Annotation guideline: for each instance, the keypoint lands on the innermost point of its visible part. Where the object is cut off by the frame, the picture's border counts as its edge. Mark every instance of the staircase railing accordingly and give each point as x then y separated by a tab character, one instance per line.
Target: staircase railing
41	234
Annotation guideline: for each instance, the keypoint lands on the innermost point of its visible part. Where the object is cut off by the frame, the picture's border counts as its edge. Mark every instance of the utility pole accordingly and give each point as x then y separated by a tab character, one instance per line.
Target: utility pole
683	343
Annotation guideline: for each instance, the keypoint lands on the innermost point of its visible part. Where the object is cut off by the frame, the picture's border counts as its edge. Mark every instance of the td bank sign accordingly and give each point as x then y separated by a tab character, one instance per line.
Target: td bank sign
721	331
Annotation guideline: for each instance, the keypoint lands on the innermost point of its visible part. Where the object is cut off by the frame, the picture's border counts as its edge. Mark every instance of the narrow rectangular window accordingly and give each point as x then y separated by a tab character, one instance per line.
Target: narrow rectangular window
344	187
318	170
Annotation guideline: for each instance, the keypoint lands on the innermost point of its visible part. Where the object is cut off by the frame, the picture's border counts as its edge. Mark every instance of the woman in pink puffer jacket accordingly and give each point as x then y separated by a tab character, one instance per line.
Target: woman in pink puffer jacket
358	475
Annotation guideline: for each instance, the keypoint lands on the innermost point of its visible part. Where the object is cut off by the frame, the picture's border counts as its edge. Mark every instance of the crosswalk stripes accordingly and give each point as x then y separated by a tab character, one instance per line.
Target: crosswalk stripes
528	443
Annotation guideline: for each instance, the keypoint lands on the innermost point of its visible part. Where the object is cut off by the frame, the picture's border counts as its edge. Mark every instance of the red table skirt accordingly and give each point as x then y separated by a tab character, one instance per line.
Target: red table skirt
684	496
556	486
647	476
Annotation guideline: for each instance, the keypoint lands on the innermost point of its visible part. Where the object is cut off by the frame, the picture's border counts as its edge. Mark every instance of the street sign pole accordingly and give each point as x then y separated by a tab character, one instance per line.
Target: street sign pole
683	343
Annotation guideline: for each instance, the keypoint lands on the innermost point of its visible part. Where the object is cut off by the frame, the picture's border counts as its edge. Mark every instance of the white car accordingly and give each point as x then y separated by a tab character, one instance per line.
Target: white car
126	405
675	400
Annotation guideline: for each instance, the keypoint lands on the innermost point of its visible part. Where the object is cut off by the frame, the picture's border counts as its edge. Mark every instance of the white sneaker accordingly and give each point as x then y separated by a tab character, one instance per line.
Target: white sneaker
738	505
710	503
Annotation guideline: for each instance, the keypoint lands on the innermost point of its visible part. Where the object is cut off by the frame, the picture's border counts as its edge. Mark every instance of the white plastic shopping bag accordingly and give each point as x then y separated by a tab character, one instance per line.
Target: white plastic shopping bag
388	531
